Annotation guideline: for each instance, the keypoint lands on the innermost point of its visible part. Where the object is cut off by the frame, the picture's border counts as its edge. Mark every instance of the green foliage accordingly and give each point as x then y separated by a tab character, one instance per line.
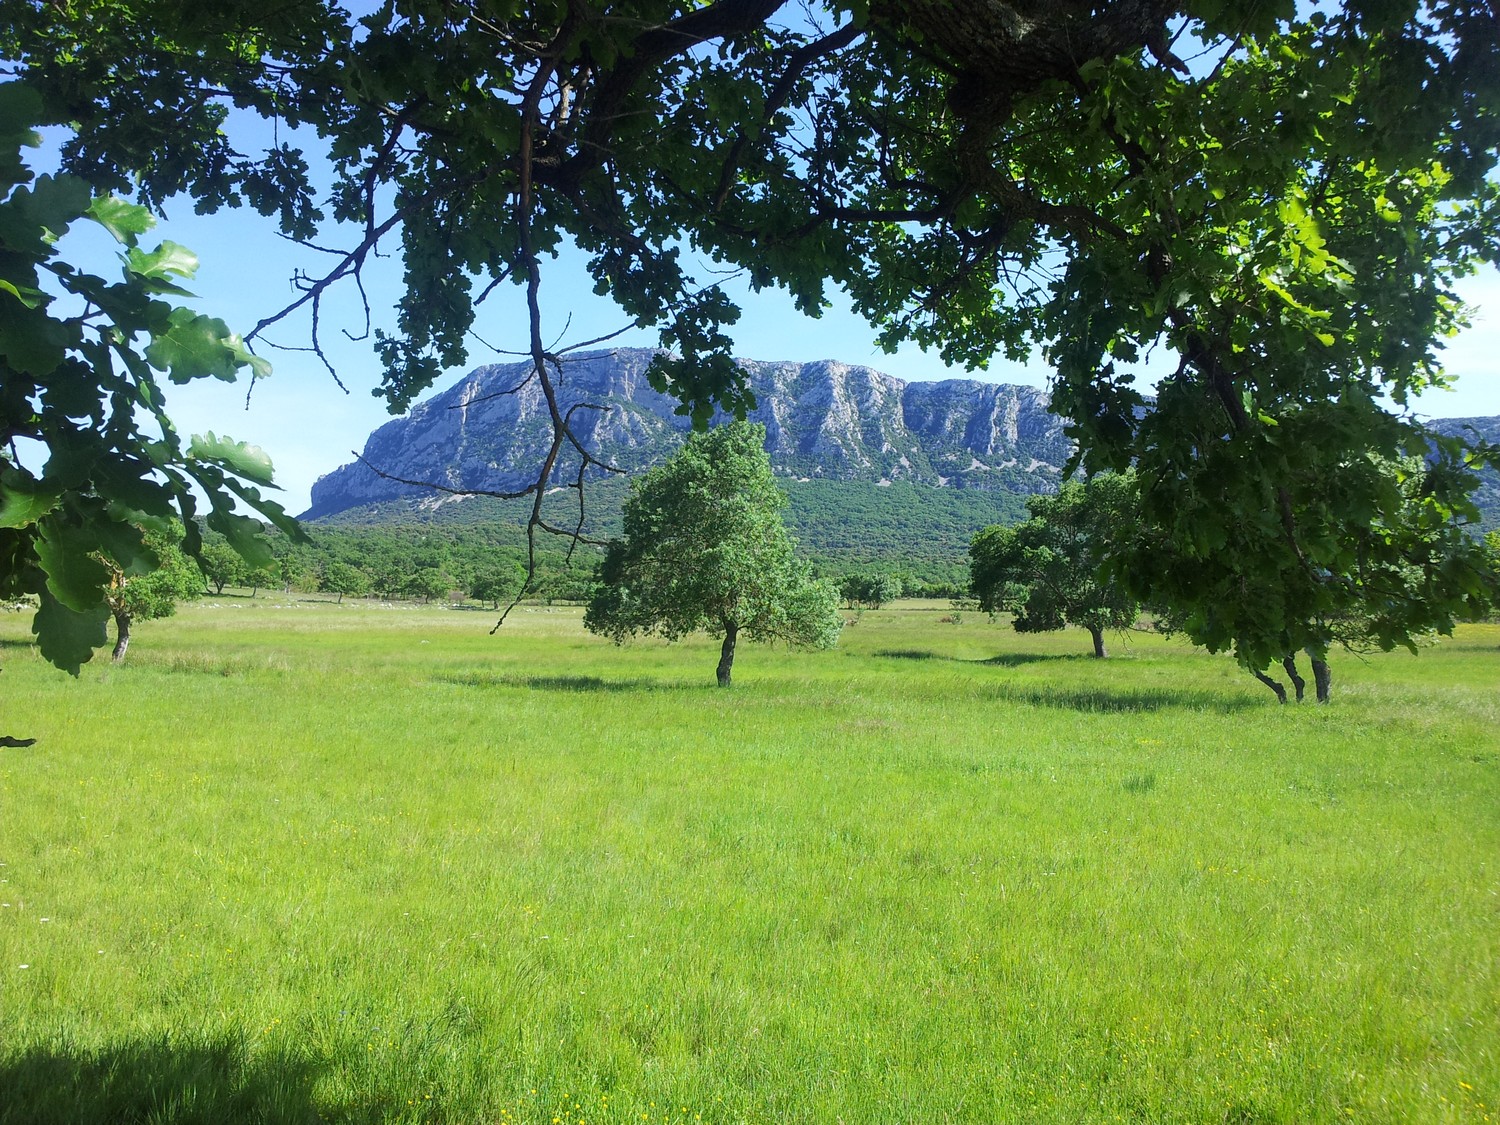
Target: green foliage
1047	571
1380	562
262	578
340	578
919	531
429	582
81	364
869	590
840	526
222	565
704	548
1288	217
155	593
497	583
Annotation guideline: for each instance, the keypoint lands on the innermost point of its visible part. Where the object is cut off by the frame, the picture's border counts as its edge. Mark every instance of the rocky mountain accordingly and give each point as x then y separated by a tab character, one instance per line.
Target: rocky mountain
1487	492
824	421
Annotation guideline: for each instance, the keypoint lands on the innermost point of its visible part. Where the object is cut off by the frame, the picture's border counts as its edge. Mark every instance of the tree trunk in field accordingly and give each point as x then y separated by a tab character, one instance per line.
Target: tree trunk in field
1321	677
1273	685
726	653
122	635
1098	635
1290	664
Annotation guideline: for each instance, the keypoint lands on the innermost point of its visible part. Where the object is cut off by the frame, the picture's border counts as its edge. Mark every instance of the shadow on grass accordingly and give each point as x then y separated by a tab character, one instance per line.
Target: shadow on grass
1005	659
1124	701
155	1081
1021	659
1103	700
15	642
555	683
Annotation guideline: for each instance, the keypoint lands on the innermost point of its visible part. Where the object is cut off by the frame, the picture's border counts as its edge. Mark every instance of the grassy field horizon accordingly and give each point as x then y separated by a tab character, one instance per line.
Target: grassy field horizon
297	861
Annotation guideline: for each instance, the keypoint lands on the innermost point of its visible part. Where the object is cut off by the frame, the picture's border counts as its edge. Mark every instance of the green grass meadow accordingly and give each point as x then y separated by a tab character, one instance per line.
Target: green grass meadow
306	862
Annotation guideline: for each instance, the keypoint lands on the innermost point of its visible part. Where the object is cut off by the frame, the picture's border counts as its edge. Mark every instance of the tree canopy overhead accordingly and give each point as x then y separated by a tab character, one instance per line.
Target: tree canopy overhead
1281	197
83	367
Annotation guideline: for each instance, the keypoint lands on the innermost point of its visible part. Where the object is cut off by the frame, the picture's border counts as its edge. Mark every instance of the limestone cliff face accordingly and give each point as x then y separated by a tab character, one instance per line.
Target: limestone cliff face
823	420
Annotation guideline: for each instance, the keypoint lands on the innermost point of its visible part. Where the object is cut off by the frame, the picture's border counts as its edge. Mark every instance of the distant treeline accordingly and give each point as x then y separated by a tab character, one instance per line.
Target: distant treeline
915	533
917	536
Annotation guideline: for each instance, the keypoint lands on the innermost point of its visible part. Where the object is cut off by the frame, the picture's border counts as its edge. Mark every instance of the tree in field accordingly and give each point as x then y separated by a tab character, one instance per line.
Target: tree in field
143	591
1048	571
1371	596
1286	216
295	572
495	584
429	582
390	579
704	548
260	578
869	590
222	566
340	578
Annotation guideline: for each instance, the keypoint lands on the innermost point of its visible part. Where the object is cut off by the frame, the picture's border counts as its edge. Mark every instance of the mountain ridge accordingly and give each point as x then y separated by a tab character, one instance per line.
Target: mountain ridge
824	420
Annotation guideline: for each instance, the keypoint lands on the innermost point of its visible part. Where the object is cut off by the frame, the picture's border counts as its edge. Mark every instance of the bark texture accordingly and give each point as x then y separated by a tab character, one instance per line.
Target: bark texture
1322	678
726	653
122	635
1290	664
1001	49
1274	685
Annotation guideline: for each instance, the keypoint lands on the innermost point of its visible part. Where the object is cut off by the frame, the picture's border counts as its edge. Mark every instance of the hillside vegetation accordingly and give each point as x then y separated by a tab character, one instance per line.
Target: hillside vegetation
841	526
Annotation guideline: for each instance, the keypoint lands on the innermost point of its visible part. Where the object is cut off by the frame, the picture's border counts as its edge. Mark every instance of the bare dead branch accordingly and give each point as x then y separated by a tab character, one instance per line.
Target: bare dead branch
517	389
445	488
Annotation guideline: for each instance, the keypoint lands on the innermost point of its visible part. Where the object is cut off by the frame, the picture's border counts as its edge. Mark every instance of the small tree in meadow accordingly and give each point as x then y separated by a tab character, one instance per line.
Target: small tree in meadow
340	578
704	547
1046	571
135	594
870	590
222	566
496	584
428	583
262	577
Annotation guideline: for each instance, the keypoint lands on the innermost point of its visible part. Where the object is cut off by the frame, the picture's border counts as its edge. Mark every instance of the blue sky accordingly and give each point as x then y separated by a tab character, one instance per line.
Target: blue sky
309	426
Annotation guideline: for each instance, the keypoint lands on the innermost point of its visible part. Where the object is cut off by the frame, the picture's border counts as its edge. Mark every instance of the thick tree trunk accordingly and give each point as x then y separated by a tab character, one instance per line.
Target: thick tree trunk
726	653
1321	677
1273	685
1098	635
1290	664
122	635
